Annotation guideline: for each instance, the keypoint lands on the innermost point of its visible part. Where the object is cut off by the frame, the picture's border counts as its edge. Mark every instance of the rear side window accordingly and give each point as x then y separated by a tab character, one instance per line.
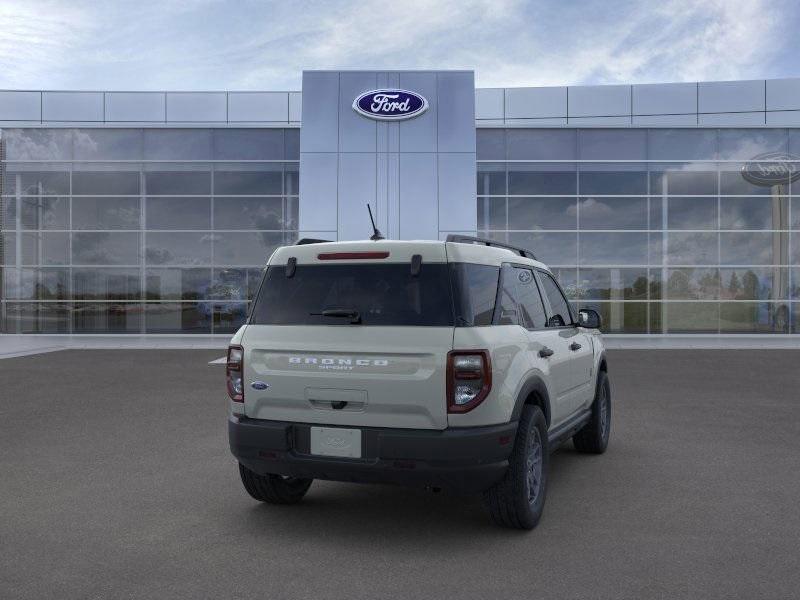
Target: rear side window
382	294
520	301
558	304
474	293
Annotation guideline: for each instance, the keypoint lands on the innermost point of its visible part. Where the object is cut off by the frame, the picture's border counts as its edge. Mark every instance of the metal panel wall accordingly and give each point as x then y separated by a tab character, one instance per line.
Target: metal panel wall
417	174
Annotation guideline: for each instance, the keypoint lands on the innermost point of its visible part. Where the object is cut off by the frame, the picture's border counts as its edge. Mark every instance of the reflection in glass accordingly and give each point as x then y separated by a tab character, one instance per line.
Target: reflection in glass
693	284
229	284
754	212
492	213
33	317
612	249
612	144
754	248
178	248
690	317
541	213
183	317
111	183
178	183
553	249
522	182
691	213
754	317
240	182
178	213
629	183
178	144
541	144
491	179
228	317
43	183
248	213
755	283
105	213
108	144
44	212
620	317
8	248
248	144
105	284
677	182
178	284
491	144
245	248
101	317
613	284
692	248
102	248
612	213
47	248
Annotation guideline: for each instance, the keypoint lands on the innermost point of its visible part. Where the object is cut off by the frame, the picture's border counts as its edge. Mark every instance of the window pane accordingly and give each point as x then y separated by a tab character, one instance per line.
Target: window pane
528	180
178	284
732	182
755	283
476	288
754	213
693	284
105	213
691	213
613	249
177	144
291	179
44	212
291	141
177	248
612	144
248	144
559	307
690	317
620	317
245	248
746	144
178	213
612	182
682	144
105	248
754	317
491	144
100	317
50	248
674	181
98	183
248	182
758	248
542	213
8	248
248	213
38	144
531	307
44	183
491	179
612	213
692	248
229	284
32	317
52	284
553	249
613	284
106	284
178	183
541	144
184	317
229	317
492	213
108	144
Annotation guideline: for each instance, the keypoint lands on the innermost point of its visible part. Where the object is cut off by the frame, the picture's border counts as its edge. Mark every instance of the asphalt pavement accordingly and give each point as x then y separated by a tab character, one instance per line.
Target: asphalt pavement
116	482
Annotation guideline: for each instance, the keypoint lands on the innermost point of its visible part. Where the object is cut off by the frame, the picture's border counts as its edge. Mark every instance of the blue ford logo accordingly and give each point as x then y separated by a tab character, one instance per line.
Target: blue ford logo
390	105
259	385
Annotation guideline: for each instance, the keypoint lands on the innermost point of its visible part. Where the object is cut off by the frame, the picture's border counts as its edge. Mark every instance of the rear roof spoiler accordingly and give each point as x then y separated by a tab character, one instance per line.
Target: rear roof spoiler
466	239
304	241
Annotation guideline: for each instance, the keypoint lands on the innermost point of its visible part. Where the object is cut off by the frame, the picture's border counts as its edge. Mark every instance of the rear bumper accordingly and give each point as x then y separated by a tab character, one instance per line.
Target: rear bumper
464	459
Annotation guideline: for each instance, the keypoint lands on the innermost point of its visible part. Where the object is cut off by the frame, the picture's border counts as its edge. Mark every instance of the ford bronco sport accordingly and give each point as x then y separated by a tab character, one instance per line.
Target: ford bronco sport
456	365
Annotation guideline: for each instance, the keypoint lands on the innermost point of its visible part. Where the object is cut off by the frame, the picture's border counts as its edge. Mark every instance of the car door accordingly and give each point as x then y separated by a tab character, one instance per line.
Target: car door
579	344
521	300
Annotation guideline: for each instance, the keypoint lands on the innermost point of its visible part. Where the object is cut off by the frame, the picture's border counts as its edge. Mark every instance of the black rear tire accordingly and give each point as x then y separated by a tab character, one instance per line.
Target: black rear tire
274	489
517	501
593	437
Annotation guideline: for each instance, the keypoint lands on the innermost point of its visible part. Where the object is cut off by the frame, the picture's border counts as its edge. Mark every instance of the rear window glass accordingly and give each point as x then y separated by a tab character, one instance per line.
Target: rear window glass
381	294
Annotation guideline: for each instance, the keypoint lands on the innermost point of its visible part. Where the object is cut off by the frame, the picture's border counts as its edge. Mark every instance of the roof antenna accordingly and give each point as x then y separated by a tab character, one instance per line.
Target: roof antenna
376	235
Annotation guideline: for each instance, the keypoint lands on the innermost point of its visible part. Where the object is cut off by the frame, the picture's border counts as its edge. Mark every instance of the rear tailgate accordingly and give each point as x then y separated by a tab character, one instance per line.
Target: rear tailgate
348	375
382	366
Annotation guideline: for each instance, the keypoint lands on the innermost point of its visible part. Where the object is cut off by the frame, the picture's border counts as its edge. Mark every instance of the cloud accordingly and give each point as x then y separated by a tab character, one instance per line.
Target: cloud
211	44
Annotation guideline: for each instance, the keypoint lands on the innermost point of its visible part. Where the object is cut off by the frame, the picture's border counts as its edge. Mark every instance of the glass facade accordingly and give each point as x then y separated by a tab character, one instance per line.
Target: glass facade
656	229
140	230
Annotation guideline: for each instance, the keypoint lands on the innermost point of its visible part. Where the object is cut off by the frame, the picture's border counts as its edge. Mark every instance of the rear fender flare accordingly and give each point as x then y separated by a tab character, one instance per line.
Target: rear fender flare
533	384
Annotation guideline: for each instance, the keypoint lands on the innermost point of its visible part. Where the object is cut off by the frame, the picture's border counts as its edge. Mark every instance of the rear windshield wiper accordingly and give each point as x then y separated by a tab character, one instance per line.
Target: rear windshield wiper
344	313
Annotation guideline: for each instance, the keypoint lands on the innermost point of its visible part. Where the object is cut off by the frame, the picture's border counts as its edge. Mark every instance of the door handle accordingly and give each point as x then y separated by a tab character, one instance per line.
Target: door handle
545	352
574	346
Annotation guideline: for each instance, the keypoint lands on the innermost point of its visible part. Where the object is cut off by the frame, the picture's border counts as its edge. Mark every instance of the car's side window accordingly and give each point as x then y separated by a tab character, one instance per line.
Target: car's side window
507	304
531	307
560	314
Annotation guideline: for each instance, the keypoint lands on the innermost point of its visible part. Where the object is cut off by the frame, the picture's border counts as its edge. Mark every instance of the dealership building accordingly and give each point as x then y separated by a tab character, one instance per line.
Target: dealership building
668	208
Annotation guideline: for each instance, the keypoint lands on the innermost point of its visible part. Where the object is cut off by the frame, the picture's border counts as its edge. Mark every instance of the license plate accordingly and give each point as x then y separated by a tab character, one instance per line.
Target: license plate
335	441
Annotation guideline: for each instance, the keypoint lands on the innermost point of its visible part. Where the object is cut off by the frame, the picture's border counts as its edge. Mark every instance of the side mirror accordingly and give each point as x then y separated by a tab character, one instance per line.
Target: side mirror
589	318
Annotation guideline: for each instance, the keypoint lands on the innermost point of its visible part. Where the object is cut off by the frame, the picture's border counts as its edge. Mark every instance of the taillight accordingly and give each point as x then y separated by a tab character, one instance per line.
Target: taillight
469	379
234	372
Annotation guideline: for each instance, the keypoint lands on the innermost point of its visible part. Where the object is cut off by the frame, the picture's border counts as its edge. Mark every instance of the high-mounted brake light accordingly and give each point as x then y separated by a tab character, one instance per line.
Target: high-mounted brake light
469	379
351	255
234	373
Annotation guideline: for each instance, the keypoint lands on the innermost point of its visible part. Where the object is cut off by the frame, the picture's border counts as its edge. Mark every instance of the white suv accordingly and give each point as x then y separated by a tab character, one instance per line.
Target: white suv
456	364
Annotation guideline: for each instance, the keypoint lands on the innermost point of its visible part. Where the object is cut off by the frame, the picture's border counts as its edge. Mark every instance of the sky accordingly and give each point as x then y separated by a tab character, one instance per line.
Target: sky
265	45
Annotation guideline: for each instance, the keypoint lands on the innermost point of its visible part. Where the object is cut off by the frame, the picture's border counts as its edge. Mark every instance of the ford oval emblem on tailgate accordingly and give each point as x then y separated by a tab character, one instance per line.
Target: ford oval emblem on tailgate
259	385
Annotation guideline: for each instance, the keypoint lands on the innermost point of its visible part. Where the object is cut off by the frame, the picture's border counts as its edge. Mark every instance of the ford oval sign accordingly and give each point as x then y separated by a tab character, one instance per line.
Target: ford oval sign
772	168
390	105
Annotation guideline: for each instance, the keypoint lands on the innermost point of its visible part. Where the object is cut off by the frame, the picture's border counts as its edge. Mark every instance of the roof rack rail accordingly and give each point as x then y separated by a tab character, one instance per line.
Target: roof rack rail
304	241
467	239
